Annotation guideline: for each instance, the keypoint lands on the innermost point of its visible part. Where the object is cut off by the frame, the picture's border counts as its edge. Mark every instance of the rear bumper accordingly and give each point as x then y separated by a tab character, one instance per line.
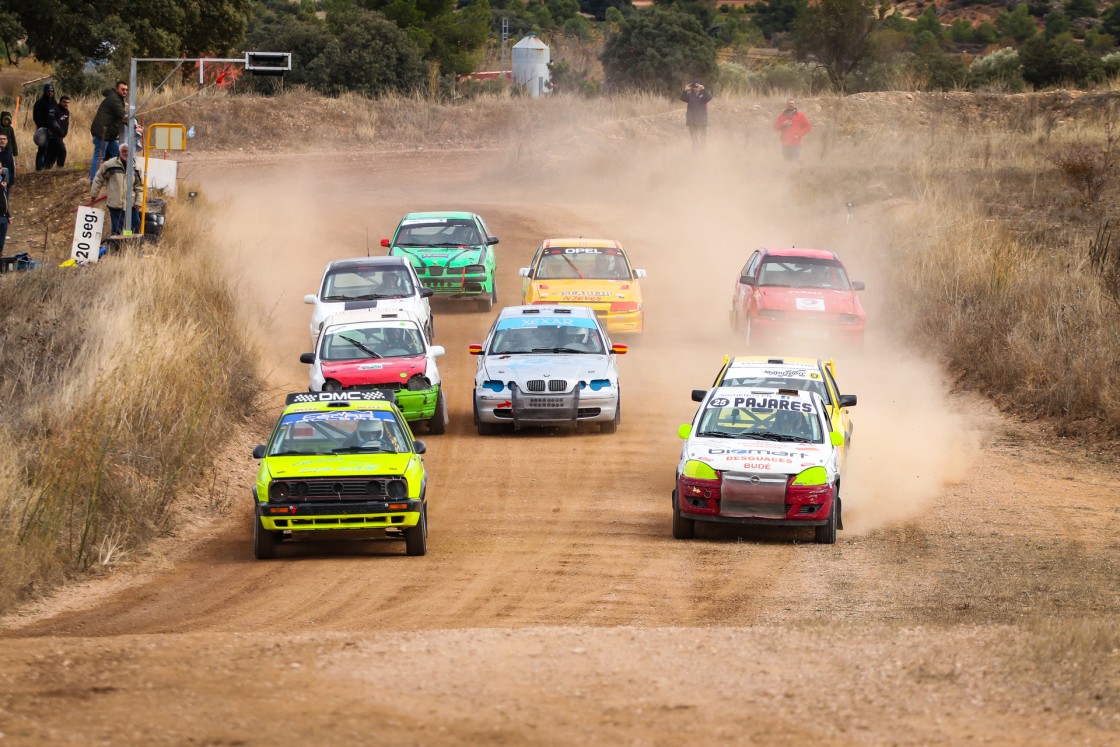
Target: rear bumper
778	331
622	322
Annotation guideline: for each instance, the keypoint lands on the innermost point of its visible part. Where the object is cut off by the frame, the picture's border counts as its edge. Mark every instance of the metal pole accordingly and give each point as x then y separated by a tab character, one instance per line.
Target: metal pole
130	137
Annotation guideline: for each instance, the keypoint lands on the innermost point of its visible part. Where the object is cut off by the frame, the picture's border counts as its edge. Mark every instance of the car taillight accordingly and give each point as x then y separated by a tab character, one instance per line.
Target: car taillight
474	269
624	306
698	496
848	318
771	313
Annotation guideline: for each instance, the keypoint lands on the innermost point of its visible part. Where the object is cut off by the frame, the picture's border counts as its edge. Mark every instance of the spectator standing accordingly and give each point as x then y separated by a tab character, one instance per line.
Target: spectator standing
696	116
106	126
44	115
5	215
111	176
7	162
7	129
56	138
793	125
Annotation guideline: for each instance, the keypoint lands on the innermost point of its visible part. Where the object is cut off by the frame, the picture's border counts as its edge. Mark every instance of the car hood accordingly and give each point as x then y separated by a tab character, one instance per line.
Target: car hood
374	370
327	308
744	455
521	368
451	256
585	291
810	300
338	465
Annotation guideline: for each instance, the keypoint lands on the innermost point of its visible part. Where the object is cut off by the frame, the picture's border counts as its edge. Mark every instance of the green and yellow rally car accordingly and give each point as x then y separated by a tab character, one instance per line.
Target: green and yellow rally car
340	461
452	253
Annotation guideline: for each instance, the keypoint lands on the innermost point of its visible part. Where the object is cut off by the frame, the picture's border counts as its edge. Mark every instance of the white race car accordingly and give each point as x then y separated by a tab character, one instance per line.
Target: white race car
369	283
760	456
546	365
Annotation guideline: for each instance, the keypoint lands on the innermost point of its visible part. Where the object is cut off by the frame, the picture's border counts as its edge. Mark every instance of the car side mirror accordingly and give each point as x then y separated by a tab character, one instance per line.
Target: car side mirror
523	272
699	394
437	350
619	349
258	451
310	298
746	280
858	285
419	446
385	243
639	274
426	293
491	240
847	400
474	349
684	431
837	438
307	358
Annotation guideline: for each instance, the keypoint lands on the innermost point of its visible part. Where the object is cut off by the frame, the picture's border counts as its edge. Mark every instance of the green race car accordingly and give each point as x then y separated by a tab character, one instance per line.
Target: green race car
452	252
340	461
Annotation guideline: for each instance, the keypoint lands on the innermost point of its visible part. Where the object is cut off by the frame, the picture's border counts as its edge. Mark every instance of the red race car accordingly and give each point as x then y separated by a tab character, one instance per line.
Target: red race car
797	296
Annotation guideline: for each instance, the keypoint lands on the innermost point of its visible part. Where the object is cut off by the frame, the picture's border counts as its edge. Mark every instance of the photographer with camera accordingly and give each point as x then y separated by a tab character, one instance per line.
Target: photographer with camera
793	125
696	116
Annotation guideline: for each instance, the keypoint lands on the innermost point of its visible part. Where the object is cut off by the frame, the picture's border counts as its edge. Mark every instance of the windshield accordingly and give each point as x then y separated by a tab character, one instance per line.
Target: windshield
583	263
338	432
367	284
722	419
763	381
399	340
547	336
445	233
799	272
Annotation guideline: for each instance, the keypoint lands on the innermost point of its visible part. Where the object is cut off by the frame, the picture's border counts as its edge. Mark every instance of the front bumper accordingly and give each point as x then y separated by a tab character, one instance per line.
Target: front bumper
622	322
545	408
454	283
340	515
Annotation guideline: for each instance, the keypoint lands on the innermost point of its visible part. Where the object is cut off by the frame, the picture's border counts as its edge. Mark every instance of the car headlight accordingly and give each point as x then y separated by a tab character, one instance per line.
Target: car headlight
279	491
812	476
494	386
397	489
596	384
419	383
699	470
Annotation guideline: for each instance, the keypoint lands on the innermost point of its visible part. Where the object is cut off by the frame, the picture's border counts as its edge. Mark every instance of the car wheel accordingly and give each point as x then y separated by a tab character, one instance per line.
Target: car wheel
611	426
264	541
438	422
485	303
484	429
826	533
747	332
683	528
494	290
416	538
431	329
733	317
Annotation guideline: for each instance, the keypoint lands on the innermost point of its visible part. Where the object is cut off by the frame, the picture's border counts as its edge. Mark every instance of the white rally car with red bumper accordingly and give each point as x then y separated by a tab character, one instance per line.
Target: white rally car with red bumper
760	456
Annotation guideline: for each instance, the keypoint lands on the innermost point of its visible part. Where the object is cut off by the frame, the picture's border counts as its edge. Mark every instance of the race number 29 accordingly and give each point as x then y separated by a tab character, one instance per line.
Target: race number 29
87	235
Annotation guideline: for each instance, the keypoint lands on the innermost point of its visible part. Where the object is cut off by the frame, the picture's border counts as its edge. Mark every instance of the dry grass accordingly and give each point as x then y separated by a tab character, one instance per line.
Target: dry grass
120	383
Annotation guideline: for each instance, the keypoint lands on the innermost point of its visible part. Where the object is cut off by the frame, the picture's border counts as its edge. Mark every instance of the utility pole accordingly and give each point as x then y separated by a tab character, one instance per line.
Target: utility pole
505	41
256	63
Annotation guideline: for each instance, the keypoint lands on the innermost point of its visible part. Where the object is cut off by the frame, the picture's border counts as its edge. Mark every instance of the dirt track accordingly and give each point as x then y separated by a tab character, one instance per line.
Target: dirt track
969	600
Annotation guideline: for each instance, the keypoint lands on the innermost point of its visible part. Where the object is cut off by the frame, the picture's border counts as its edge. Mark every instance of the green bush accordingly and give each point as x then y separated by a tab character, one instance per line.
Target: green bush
795	79
658	50
1059	61
999	71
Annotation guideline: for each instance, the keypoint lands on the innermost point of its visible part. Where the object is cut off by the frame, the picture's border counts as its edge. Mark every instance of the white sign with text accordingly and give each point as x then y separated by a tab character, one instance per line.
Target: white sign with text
87	234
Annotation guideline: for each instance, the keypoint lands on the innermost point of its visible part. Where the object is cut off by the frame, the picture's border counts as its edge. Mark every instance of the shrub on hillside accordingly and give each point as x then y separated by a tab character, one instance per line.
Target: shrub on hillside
1059	61
657	50
999	71
795	79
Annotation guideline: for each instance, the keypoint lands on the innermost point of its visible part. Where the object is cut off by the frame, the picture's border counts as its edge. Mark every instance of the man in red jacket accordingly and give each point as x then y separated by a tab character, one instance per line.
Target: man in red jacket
793	125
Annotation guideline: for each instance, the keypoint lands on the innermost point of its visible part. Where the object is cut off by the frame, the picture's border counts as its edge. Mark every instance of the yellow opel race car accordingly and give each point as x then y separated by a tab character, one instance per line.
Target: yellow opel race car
339	462
806	374
595	273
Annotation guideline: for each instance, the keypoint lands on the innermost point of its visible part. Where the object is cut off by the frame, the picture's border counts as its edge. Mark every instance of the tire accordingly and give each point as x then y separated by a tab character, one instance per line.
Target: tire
494	290
485	303
826	533
437	424
734	318
431	329
611	426
484	429
416	538
683	529
264	541
747	333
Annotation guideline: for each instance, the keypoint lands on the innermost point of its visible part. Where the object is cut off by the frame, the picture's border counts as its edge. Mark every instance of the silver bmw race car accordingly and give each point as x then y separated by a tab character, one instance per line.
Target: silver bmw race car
546	365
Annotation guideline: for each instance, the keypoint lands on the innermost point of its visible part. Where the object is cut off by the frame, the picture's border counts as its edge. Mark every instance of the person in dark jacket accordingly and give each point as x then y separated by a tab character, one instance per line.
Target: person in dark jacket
56	136
696	117
7	162
5	215
44	115
106	126
7	129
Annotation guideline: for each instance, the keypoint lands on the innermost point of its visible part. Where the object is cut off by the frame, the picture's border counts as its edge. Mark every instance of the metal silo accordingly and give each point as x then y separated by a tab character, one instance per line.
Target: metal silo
530	65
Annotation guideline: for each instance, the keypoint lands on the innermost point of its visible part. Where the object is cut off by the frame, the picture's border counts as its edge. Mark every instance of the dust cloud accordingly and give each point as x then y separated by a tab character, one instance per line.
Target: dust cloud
691	219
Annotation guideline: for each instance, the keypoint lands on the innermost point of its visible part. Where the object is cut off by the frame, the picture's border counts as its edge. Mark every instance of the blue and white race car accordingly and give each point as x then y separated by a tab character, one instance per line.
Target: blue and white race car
757	455
546	365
